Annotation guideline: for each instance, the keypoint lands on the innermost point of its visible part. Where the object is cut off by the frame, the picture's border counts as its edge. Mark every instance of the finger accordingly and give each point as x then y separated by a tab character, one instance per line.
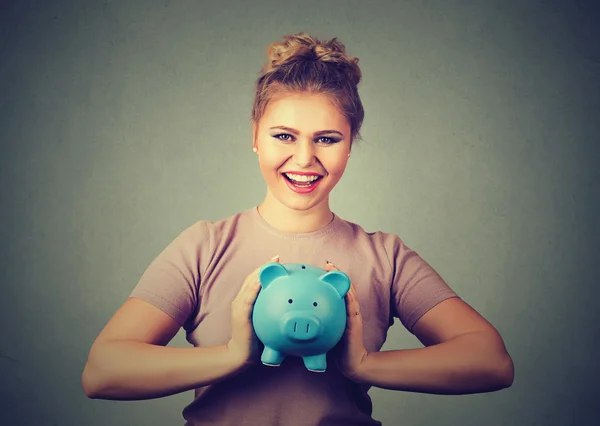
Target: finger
349	305
330	266
251	285
352	291
273	259
349	295
352	305
249	293
253	276
250	278
250	289
257	270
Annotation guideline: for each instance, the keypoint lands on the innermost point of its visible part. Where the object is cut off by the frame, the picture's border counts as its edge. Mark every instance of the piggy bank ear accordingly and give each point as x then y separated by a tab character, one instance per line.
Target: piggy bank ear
269	272
339	280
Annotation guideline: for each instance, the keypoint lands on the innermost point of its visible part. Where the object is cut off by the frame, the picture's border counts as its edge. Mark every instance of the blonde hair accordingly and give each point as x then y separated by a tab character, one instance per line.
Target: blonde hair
301	63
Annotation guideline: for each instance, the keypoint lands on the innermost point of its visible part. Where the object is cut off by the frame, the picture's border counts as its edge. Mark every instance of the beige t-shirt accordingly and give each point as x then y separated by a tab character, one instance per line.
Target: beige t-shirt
197	276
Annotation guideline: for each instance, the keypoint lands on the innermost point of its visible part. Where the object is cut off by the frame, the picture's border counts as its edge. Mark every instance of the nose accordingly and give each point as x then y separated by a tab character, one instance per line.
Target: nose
302	327
305	154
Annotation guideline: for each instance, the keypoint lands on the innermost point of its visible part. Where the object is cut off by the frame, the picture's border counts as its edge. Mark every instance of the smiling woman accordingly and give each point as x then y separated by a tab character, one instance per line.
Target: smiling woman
317	142
306	116
307	113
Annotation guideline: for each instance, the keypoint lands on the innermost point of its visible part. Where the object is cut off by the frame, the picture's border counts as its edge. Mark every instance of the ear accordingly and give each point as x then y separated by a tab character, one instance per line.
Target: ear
339	280
254	130
269	272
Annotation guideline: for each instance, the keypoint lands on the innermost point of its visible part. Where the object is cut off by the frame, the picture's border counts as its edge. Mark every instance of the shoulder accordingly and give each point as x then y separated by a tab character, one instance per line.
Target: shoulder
223	231
386	242
203	230
194	236
206	238
387	249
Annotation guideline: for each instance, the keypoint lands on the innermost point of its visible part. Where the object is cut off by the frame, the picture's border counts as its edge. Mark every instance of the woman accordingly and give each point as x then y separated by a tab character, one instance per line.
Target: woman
306	115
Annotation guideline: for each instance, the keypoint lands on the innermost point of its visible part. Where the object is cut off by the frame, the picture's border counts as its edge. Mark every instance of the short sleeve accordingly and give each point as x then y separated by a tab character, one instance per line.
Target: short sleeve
416	286
171	281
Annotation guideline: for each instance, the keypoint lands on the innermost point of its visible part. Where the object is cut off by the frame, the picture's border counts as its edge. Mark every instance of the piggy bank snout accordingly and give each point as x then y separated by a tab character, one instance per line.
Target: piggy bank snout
302	327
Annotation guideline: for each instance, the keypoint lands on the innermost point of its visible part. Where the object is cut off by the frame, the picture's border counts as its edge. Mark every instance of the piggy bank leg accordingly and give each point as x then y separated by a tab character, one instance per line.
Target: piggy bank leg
272	357
316	363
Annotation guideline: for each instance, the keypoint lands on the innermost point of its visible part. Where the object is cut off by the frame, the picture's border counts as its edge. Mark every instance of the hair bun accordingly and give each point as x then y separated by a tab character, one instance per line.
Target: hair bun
302	47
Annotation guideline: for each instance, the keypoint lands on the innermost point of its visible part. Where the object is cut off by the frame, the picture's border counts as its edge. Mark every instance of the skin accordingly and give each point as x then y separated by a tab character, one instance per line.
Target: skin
130	359
300	150
462	353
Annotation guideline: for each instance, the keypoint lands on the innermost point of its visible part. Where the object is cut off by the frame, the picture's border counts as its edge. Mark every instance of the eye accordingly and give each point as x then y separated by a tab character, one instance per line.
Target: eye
284	137
327	140
314	303
290	300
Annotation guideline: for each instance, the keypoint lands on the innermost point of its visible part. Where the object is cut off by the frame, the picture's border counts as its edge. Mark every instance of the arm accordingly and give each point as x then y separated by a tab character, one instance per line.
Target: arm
463	354
130	361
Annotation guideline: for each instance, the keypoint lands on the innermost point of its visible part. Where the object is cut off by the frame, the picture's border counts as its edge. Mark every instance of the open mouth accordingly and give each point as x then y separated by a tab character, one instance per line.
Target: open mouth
302	183
301	186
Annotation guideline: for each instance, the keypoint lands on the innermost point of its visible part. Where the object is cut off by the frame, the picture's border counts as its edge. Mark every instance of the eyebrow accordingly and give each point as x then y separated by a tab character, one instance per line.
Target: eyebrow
296	132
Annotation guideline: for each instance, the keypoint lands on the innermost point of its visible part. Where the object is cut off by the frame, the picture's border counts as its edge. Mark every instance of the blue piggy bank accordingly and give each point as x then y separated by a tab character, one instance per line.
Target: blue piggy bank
299	311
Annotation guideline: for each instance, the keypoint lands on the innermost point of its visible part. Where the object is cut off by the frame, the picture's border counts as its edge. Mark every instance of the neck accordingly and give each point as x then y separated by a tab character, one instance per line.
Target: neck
295	221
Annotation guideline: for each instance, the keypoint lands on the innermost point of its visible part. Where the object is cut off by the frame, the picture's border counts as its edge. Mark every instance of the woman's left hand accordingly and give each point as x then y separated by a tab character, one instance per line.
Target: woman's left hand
352	352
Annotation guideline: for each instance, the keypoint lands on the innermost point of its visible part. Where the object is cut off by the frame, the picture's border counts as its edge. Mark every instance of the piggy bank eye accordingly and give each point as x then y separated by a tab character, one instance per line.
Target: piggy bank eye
290	300
314	303
303	266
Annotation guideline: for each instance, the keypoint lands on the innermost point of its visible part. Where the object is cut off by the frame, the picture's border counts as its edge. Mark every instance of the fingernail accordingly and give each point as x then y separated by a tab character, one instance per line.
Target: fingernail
328	262
274	258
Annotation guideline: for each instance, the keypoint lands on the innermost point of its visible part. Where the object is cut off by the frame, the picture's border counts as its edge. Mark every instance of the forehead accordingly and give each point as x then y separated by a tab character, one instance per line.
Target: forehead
304	112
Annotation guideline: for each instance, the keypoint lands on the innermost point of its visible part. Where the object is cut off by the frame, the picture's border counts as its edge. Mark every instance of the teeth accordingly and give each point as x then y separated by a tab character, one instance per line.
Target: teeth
302	178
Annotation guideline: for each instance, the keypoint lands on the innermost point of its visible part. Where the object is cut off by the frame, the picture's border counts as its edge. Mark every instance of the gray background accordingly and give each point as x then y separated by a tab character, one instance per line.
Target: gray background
123	122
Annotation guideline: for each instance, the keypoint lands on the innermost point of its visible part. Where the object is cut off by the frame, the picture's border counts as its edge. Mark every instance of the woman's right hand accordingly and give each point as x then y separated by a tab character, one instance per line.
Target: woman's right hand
244	344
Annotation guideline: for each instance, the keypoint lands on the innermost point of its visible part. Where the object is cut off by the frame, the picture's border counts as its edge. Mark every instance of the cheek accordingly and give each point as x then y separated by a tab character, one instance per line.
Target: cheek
336	168
268	165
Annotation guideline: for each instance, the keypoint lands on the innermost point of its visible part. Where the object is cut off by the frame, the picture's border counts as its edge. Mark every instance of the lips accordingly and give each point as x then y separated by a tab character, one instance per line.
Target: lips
292	172
302	189
293	181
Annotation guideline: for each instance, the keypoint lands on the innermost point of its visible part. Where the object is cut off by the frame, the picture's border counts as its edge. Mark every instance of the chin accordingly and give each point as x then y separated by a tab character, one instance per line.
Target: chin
299	205
304	205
